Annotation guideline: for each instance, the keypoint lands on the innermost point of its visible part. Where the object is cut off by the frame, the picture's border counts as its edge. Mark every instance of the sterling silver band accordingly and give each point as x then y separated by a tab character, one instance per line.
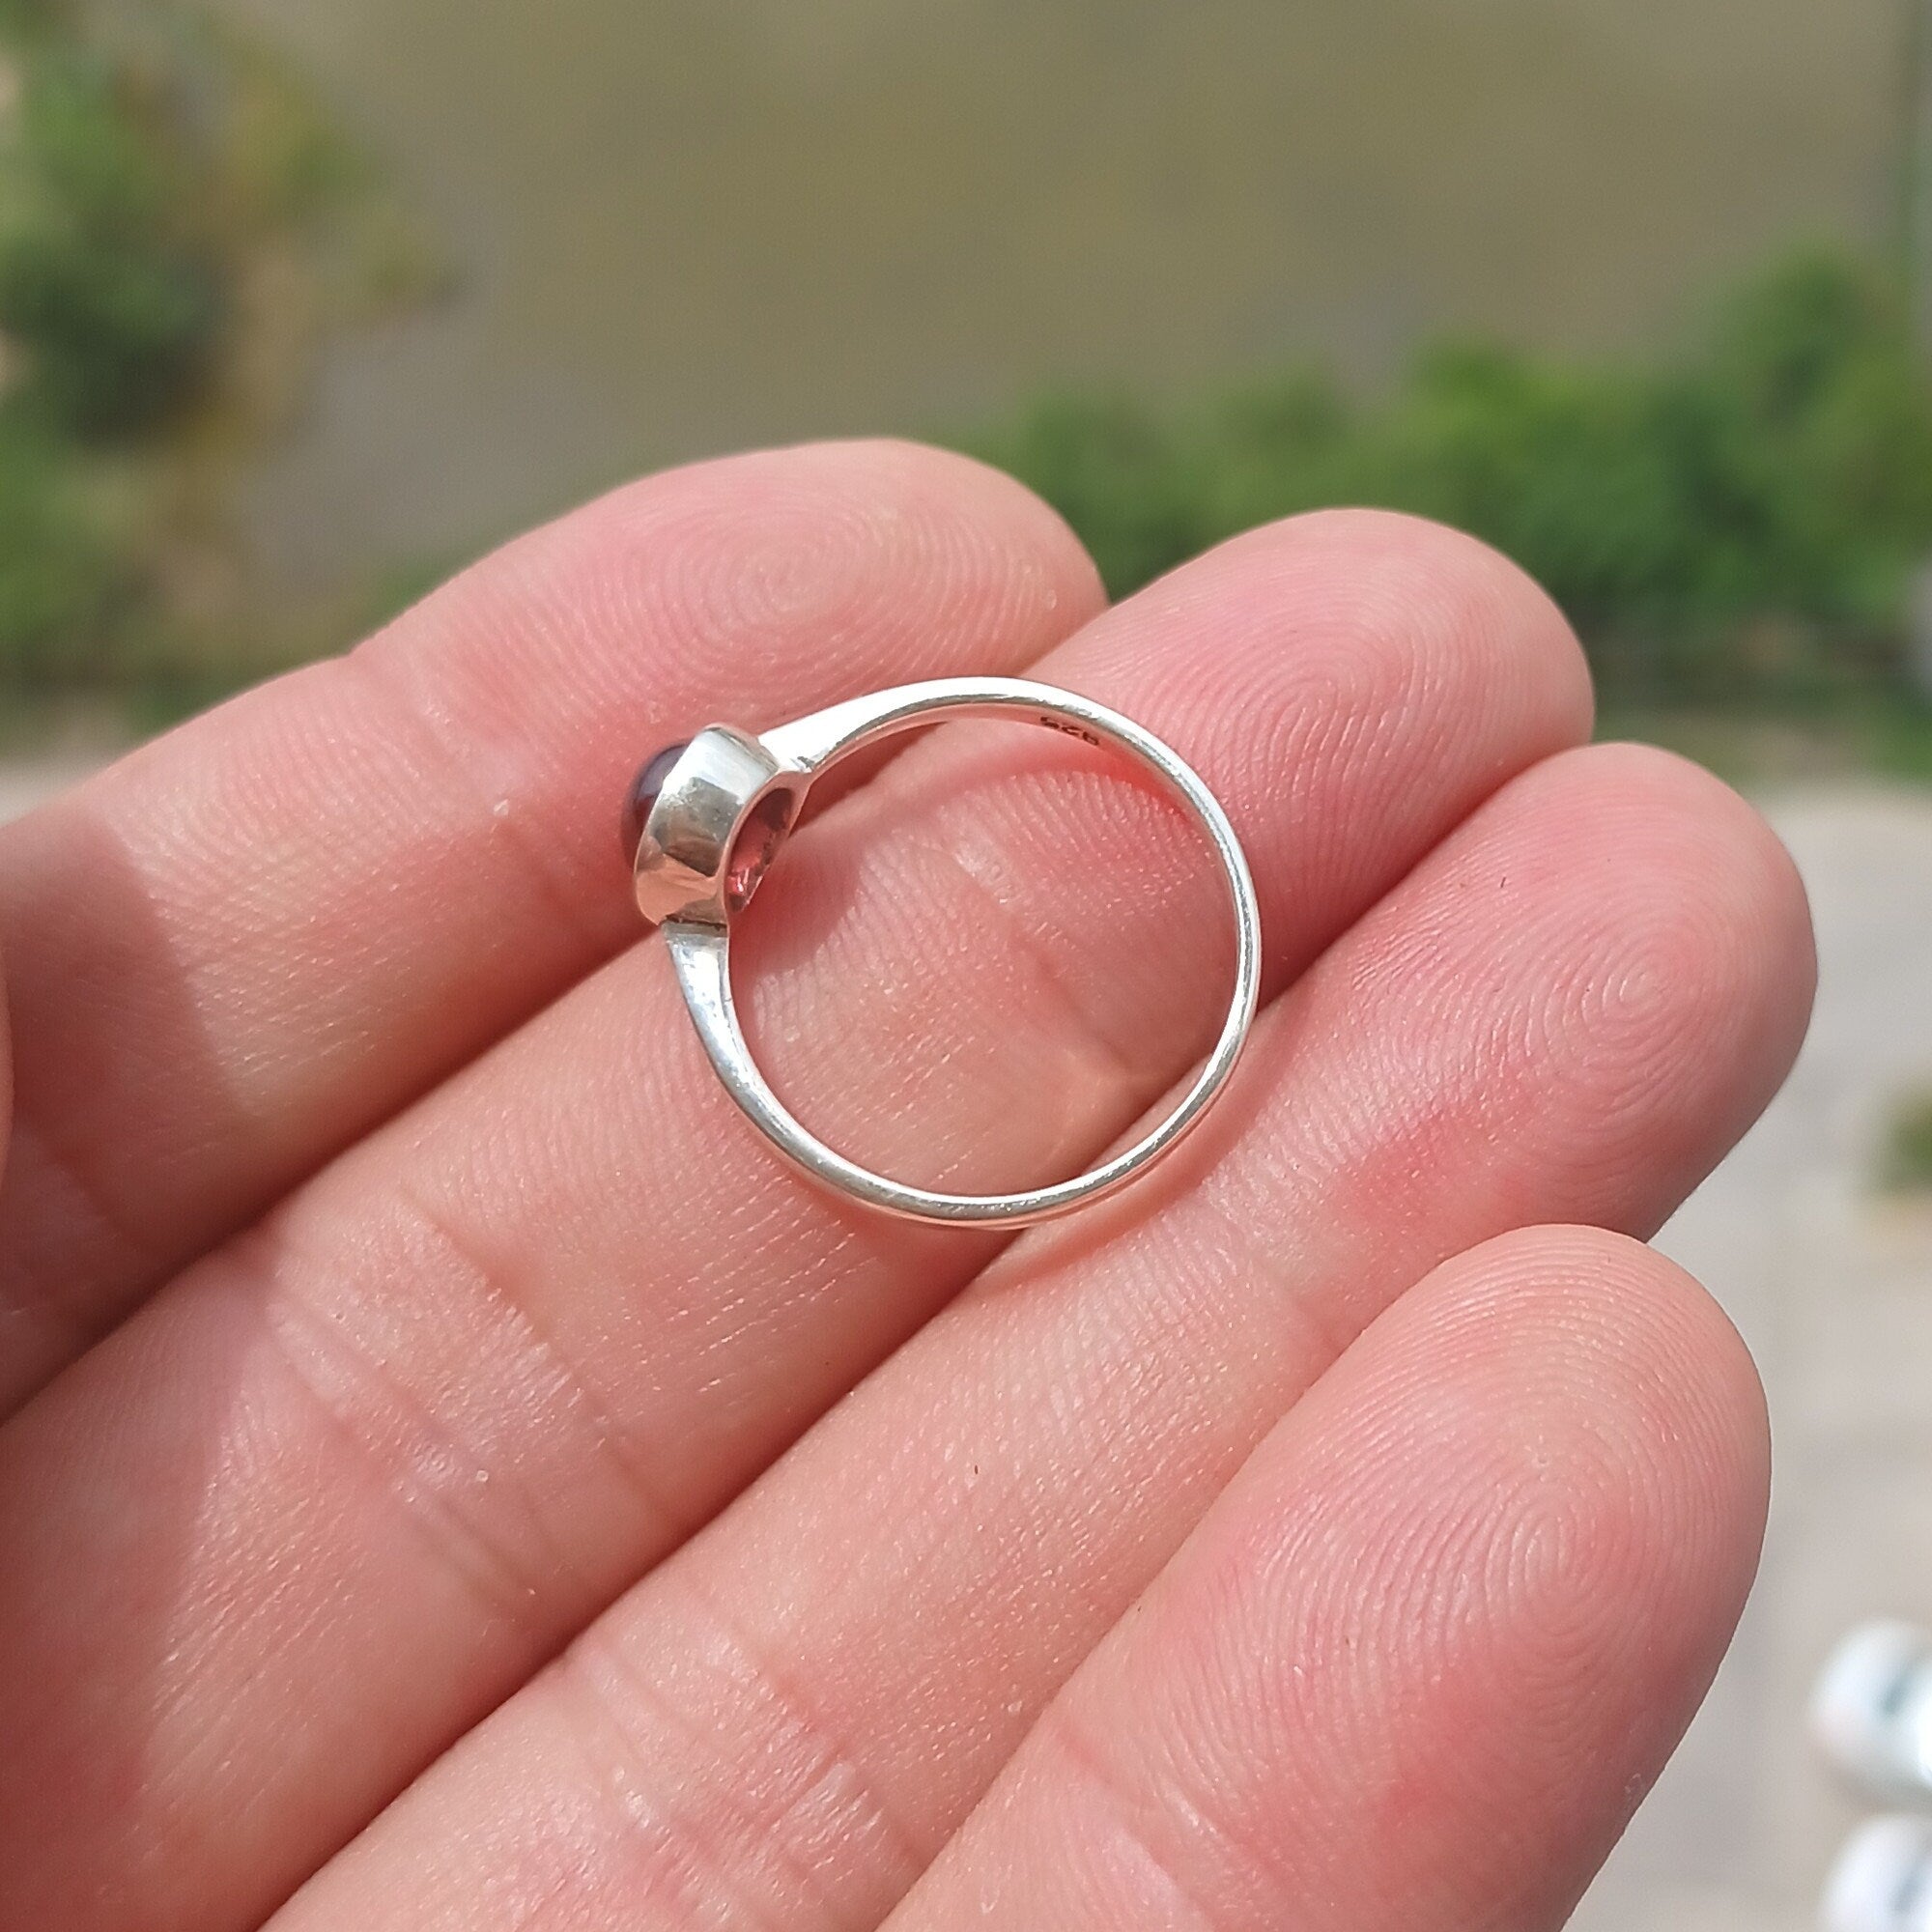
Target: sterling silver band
717	820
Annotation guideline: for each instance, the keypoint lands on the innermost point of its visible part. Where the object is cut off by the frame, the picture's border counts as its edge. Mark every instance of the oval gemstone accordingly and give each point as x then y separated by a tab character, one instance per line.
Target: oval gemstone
643	794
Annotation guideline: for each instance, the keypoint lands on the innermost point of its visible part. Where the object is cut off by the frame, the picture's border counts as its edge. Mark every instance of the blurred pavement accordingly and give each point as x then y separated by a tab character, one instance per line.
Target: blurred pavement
1833	1288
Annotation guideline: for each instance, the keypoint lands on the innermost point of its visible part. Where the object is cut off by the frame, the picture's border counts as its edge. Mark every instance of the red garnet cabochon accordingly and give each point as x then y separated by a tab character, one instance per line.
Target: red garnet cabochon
643	794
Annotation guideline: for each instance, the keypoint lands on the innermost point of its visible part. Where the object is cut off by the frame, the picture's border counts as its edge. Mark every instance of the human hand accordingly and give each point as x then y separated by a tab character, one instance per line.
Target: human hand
456	1471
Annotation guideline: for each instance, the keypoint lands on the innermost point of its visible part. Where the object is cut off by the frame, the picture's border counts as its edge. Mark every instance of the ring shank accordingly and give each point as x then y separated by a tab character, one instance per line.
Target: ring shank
700	951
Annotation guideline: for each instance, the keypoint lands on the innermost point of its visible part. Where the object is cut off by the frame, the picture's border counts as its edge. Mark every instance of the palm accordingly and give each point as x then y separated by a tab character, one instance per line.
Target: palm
410	1508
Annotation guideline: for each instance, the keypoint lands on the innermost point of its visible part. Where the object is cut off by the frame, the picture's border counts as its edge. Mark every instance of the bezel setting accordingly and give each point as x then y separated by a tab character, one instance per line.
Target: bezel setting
724	791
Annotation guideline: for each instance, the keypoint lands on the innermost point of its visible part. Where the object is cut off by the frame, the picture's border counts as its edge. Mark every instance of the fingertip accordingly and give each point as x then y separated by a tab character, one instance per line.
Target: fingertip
1732	849
831	542
1635	1352
1665	936
1570	1422
1067	578
1432	604
1732	896
1454	1617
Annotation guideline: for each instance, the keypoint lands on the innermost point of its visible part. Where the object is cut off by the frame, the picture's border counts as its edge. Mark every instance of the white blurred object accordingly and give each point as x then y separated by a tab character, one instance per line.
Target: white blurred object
1883	1879
1871	1712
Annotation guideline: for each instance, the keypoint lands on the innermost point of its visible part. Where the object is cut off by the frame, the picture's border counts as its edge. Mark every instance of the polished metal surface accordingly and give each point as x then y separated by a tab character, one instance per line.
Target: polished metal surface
718	820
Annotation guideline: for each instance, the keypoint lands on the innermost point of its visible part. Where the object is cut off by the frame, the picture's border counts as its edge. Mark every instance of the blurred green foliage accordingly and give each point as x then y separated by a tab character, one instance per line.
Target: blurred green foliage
1738	522
1905	1159
109	296
107	312
177	223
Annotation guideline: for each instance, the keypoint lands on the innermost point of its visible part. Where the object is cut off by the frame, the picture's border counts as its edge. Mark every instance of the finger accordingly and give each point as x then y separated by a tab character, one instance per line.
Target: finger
1422	1659
1568	1012
246	944
491	1365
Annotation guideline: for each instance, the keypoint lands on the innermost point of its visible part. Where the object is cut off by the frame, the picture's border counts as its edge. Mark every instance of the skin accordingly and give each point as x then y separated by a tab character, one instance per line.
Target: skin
454	1476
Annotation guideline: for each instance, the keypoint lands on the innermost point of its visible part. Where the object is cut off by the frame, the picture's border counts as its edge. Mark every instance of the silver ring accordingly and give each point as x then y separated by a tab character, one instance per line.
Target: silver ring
704	819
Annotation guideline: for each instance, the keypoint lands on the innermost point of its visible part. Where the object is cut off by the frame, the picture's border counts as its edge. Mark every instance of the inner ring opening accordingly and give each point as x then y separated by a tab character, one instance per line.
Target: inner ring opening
1066	1114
